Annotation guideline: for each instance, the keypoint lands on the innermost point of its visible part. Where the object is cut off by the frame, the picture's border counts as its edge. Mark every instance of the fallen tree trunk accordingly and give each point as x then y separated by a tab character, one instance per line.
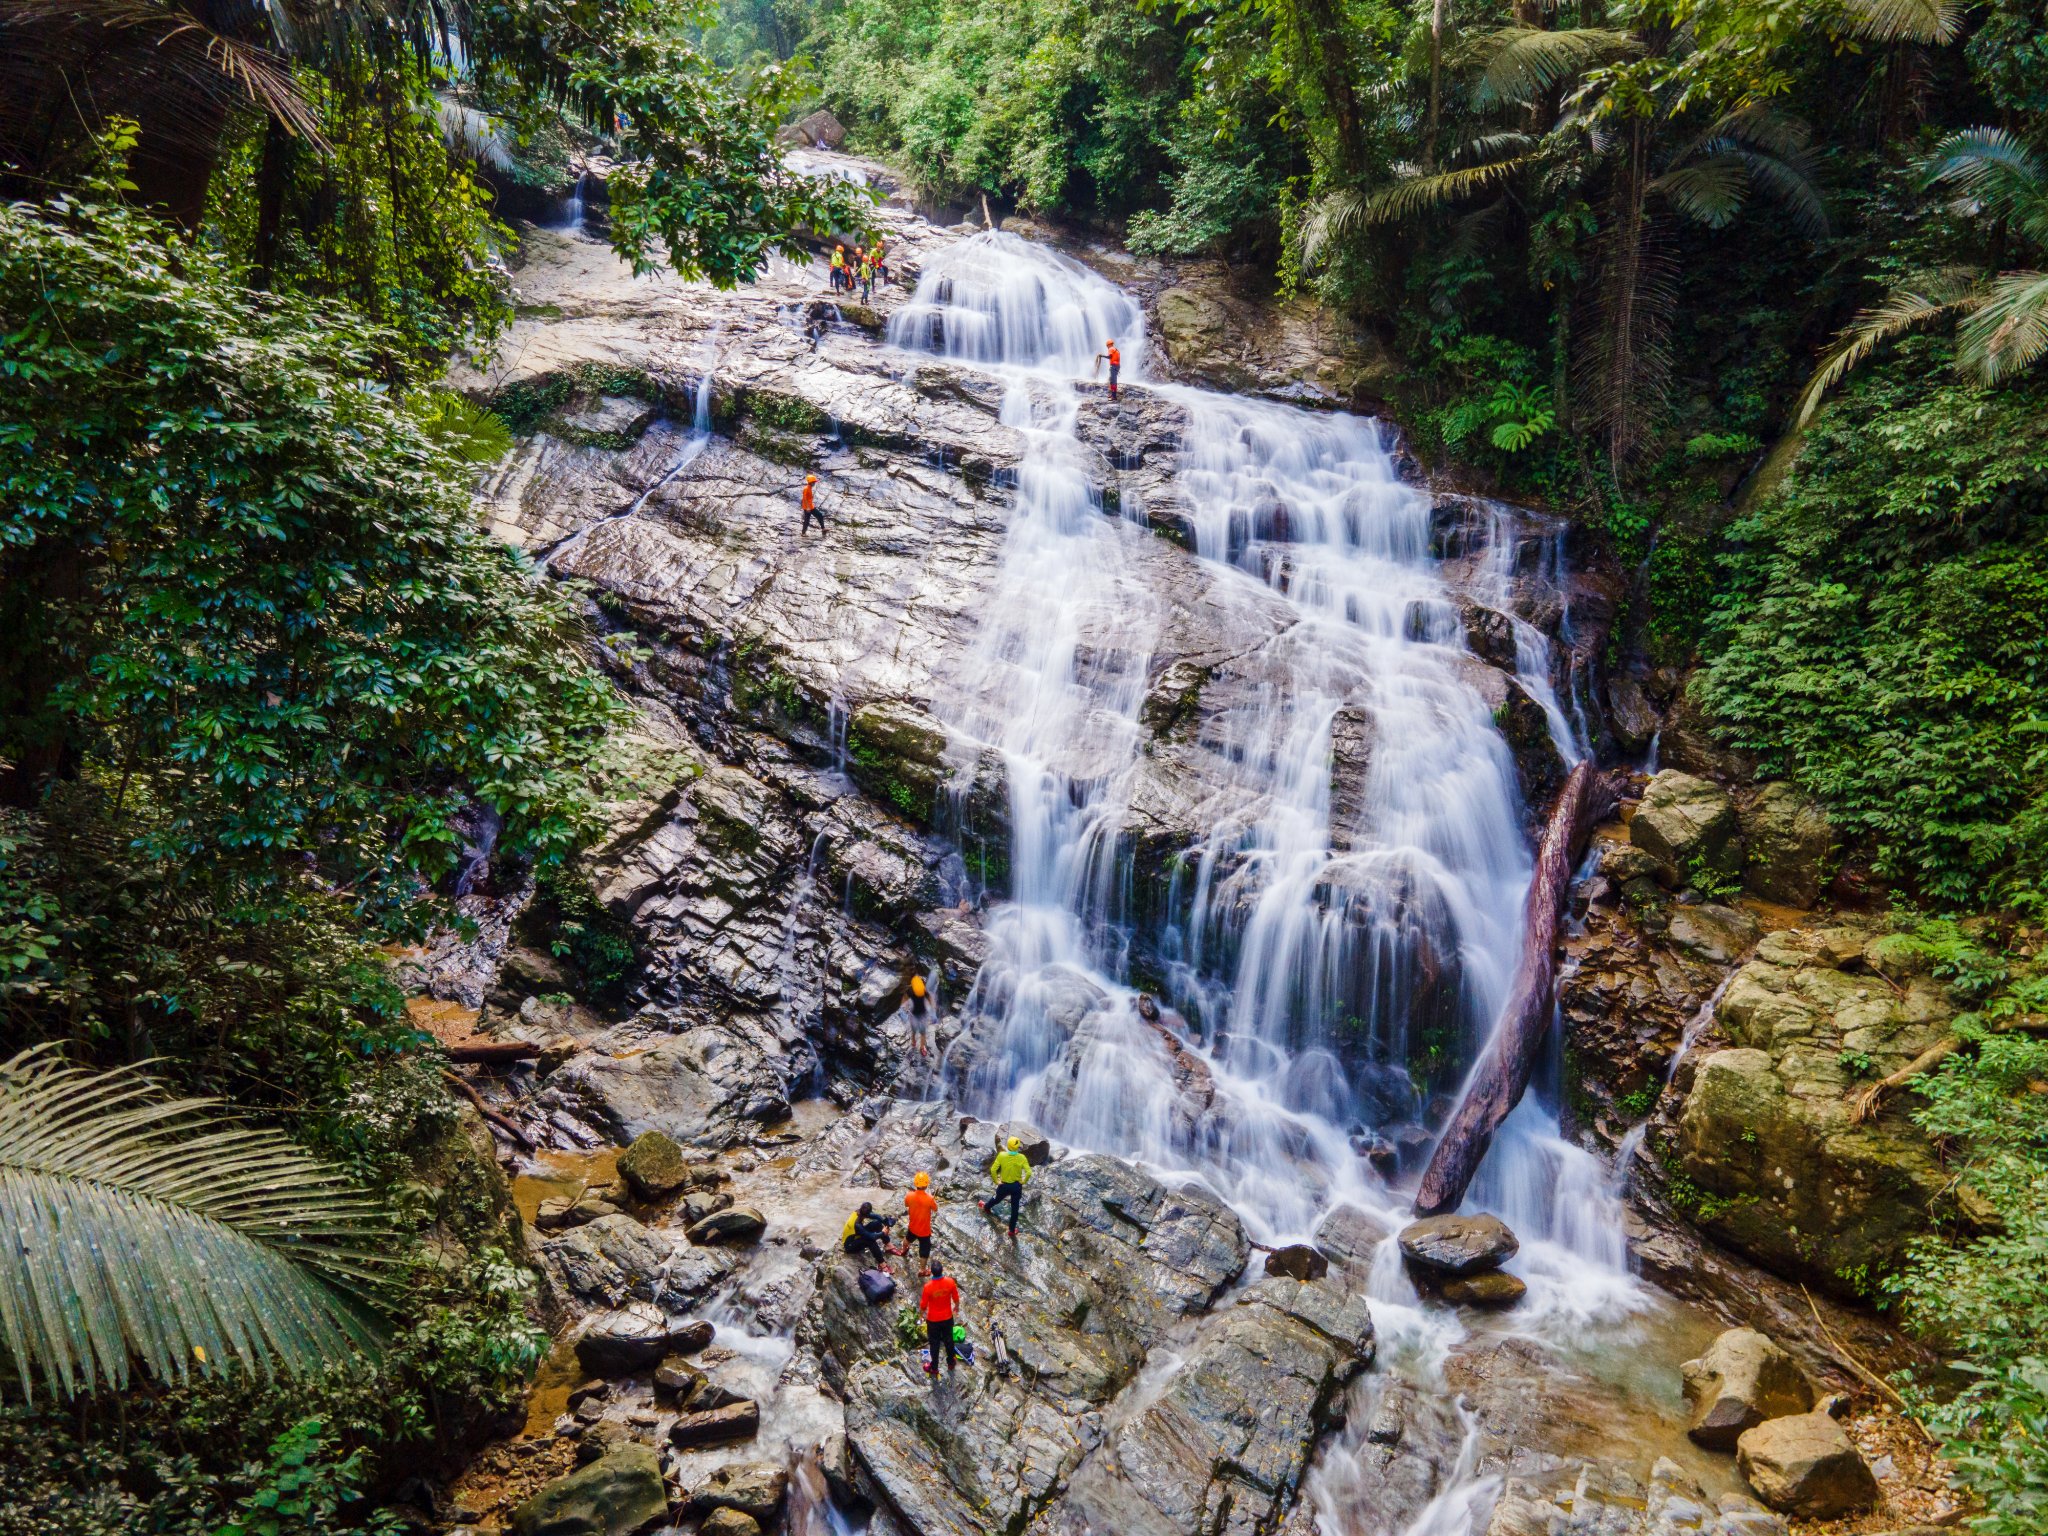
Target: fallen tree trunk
491	1116
492	1050
1502	1074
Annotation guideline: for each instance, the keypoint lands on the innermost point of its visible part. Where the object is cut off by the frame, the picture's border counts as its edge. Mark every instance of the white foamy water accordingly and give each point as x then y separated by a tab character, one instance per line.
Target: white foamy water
1334	975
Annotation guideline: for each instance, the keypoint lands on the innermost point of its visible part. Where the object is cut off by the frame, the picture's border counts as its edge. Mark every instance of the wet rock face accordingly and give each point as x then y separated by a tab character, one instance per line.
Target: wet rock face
1742	1380
1770	1138
1590	1498
1135	1402
708	1087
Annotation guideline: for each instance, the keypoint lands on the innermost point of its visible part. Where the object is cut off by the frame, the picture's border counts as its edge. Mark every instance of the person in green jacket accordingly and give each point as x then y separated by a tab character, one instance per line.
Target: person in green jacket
1012	1171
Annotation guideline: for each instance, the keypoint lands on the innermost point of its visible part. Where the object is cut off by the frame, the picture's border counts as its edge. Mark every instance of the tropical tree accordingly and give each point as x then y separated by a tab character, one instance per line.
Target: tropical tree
154	1231
1993	178
1598	116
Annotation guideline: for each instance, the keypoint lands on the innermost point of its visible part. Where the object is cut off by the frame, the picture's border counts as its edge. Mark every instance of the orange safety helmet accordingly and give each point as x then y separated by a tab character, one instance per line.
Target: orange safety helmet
922	1181
810	479
917	986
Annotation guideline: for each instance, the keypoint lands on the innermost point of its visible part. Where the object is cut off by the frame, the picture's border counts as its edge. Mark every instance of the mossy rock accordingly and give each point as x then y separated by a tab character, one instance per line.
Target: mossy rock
616	1495
654	1166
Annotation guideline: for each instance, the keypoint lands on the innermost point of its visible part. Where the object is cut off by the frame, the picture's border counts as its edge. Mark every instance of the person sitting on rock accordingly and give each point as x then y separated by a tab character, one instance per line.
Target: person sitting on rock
865	1233
921	1205
1012	1171
938	1302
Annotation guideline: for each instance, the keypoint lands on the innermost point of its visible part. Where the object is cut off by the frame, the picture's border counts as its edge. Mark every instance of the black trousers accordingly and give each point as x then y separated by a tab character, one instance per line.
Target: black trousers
858	1245
1014	1193
940	1337
812	515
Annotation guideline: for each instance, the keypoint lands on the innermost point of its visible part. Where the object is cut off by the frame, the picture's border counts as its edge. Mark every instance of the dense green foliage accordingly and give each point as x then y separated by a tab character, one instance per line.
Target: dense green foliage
1983	1292
1882	634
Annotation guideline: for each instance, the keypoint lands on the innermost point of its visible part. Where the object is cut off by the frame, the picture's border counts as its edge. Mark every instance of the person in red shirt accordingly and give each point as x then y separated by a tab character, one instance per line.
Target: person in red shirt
922	1206
938	1302
1115	359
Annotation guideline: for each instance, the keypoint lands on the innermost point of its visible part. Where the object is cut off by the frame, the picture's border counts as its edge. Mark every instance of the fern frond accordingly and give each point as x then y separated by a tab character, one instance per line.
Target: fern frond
1521	64
1947	295
139	1228
1333	219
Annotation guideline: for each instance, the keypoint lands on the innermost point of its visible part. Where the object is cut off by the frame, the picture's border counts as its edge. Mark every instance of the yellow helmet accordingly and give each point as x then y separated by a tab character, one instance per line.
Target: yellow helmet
1016	1145
917	986
923	1181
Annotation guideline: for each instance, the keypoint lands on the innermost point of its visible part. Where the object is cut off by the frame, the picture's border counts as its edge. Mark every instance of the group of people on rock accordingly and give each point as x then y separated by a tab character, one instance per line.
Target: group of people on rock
866	1240
863	269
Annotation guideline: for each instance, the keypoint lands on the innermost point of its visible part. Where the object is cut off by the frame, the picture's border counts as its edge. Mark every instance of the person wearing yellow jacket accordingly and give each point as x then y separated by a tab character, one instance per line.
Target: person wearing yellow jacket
1012	1171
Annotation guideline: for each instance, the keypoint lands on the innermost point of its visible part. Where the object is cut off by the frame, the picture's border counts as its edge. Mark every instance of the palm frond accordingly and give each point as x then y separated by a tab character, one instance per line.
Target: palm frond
1333	219
1946	295
1904	21
1419	194
1993	171
135	1227
2008	330
1792	190
1521	64
1709	190
471	433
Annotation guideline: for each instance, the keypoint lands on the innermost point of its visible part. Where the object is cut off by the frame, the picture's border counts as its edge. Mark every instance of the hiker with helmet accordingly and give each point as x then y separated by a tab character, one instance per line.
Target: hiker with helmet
920	1205
1012	1171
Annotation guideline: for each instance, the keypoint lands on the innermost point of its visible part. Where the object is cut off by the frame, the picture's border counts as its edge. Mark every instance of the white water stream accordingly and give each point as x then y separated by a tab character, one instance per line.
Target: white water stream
1315	976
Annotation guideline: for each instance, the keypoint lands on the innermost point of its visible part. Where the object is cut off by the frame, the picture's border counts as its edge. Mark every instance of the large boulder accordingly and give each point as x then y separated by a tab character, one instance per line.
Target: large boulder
1791	845
634	1339
1742	1380
754	1488
1775	1160
616	1495
707	1087
1443	1246
1805	1465
738	1224
1688	823
615	1259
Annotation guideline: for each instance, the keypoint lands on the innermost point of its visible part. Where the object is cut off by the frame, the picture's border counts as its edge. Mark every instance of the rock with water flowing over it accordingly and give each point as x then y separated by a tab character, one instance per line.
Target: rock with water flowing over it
1806	1465
1742	1380
715	1426
1491	1290
737	1224
617	1495
1297	1261
1444	1246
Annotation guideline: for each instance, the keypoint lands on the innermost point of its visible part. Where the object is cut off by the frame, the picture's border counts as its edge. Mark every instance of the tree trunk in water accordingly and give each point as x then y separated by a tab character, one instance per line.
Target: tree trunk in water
1503	1072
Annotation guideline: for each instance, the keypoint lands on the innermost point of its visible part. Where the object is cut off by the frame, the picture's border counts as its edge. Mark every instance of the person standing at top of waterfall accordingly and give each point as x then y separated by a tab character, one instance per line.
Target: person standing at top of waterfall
810	506
920	1206
1115	359
938	1301
1012	1171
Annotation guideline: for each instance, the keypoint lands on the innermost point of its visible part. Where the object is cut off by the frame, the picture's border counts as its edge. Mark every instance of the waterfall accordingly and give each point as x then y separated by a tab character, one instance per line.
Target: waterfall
1340	944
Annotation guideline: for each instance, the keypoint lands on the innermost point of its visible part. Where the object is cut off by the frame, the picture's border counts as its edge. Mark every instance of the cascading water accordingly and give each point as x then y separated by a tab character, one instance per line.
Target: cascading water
1329	955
